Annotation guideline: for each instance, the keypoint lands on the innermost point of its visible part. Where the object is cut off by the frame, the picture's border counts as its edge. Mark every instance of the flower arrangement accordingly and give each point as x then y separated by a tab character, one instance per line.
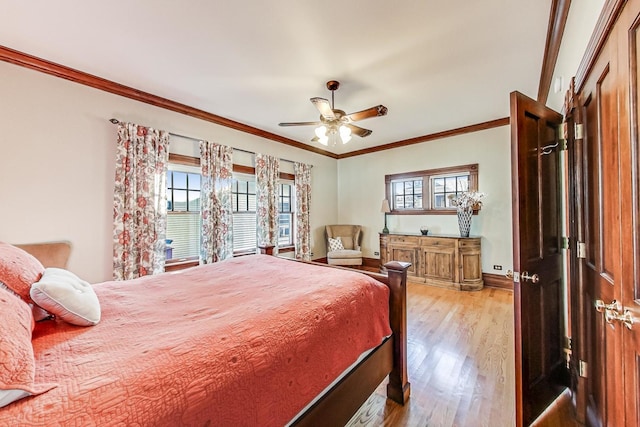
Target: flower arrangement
468	199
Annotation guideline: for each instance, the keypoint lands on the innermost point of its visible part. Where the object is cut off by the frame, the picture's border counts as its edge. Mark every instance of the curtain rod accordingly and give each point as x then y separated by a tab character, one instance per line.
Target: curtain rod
116	121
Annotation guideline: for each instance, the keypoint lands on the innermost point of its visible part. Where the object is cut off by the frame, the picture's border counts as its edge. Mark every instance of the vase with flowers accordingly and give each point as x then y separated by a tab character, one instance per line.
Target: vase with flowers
465	204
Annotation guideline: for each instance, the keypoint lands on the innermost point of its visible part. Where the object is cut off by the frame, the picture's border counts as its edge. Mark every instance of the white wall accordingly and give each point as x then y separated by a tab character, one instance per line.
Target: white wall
57	164
361	191
581	21
57	151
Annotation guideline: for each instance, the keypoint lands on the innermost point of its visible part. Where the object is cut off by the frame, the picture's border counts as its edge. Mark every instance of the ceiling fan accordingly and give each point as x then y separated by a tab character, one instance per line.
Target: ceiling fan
335	122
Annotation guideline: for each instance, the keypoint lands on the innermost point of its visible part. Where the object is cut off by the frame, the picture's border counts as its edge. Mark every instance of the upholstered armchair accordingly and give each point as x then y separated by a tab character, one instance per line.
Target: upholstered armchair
343	244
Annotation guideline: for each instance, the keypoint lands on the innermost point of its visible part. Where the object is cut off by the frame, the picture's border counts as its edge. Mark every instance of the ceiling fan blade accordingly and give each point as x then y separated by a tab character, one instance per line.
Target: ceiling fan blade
300	124
379	110
357	130
316	139
324	107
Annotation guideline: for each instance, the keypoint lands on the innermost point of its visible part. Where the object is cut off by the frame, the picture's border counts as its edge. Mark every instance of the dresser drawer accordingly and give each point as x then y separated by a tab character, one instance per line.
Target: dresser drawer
409	240
437	242
469	243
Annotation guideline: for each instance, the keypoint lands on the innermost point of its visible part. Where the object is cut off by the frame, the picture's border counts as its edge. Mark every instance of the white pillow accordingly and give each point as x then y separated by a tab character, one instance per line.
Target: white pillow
8	396
335	244
64	294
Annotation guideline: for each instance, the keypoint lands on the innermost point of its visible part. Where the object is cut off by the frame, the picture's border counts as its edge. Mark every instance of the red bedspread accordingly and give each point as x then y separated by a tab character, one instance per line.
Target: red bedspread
248	341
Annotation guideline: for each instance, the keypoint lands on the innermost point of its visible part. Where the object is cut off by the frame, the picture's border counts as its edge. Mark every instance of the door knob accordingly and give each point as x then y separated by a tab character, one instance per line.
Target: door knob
612	313
515	276
625	318
602	306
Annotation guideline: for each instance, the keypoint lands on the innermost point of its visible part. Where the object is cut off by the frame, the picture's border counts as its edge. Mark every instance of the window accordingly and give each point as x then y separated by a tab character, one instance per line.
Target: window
429	191
183	209
285	203
407	194
183	214
243	199
244	213
443	188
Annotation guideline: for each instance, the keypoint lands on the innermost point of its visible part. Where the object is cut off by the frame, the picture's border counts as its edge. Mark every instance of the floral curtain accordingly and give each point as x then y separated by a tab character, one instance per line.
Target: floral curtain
303	201
267	174
139	201
216	242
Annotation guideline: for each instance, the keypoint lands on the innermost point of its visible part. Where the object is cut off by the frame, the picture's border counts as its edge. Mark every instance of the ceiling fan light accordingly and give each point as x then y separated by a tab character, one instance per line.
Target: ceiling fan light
321	132
334	123
345	134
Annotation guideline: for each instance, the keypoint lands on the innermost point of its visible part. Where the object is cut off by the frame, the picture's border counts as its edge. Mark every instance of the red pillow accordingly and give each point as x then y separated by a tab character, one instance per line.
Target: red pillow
17	364
19	270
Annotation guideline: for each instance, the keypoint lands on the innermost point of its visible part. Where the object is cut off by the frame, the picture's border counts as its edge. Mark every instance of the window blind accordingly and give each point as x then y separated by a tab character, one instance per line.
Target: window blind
244	231
184	229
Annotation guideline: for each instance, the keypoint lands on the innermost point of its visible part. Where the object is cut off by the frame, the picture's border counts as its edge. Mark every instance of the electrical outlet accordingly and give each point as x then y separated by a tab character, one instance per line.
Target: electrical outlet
311	253
377	253
497	267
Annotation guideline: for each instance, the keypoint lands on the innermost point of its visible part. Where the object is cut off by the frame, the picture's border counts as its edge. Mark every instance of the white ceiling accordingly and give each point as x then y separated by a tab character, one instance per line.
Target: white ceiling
436	65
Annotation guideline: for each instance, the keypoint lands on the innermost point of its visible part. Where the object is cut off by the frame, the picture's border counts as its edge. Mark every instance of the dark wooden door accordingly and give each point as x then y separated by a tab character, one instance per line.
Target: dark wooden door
601	267
537	250
610	208
631	213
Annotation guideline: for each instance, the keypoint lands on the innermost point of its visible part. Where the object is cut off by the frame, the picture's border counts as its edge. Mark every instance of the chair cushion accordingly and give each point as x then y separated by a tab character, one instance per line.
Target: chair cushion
344	261
335	244
344	253
347	242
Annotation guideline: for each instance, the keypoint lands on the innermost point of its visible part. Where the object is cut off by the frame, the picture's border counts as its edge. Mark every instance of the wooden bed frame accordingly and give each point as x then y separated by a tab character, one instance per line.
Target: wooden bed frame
338	403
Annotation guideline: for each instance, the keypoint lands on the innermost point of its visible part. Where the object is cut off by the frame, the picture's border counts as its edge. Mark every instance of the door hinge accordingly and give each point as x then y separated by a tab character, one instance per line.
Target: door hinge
563	135
563	130
582	250
578	131
565	242
582	369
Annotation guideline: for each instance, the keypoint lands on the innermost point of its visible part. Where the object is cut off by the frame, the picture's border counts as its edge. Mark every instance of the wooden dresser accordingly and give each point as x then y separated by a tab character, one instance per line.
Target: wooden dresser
446	261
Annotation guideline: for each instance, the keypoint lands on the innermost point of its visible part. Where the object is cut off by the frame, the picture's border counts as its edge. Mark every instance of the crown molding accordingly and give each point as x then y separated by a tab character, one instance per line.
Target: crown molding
557	21
433	136
76	76
38	64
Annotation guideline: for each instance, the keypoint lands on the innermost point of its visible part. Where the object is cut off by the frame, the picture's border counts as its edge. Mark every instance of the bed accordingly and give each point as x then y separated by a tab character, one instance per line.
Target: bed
255	340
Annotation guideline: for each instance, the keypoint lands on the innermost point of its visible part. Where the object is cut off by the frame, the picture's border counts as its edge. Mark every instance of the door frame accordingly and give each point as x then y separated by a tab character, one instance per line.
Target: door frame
575	230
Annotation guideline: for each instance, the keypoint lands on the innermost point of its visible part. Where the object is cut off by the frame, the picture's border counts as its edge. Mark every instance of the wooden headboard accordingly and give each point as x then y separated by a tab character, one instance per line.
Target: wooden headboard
50	254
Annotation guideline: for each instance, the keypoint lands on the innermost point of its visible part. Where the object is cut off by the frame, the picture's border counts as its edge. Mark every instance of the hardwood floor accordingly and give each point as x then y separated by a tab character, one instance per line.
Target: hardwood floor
461	362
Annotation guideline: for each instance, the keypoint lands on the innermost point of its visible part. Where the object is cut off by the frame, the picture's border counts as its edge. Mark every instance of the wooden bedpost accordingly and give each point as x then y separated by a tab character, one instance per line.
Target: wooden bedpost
398	388
266	249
